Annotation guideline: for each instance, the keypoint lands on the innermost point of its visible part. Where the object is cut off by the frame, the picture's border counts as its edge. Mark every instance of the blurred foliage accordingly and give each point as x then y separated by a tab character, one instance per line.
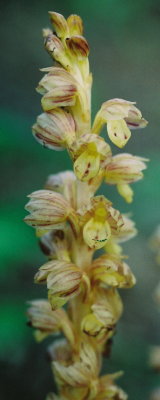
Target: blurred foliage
125	59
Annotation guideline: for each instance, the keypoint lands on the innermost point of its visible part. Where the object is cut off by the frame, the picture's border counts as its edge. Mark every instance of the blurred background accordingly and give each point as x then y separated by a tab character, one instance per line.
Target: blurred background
125	60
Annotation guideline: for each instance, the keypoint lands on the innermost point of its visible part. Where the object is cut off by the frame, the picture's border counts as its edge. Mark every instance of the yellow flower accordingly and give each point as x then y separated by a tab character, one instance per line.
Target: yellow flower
112	271
101	222
91	155
105	311
119	115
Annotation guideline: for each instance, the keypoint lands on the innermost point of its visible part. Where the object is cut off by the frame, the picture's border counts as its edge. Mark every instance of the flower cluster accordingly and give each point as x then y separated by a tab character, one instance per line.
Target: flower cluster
72	222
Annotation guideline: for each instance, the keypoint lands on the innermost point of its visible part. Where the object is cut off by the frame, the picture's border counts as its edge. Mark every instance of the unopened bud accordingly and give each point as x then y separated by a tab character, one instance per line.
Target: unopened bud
47	209
55	129
75	25
78	46
59	23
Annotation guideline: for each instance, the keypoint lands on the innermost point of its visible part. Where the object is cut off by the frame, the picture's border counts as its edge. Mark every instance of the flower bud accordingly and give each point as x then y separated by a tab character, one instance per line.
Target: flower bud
60	24
47	209
56	78
75	25
78	46
55	48
63	281
54	130
112	271
124	168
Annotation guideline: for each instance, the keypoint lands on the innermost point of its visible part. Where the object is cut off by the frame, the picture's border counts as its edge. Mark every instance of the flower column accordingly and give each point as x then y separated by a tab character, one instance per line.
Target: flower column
72	223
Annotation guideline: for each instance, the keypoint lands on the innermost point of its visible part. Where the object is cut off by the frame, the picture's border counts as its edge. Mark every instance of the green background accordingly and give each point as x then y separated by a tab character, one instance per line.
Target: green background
125	60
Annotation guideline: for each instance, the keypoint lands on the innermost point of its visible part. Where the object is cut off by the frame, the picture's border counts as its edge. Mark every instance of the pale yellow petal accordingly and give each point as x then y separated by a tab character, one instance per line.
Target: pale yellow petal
118	132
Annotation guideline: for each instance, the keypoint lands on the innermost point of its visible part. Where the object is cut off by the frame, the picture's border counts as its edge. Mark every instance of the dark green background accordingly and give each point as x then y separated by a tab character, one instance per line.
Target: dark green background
125	60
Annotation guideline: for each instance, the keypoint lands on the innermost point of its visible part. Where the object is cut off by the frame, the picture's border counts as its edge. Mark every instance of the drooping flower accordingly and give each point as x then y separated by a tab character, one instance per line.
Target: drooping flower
120	116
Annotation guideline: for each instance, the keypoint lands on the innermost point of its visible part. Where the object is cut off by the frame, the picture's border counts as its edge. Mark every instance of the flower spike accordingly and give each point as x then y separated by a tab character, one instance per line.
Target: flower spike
72	223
